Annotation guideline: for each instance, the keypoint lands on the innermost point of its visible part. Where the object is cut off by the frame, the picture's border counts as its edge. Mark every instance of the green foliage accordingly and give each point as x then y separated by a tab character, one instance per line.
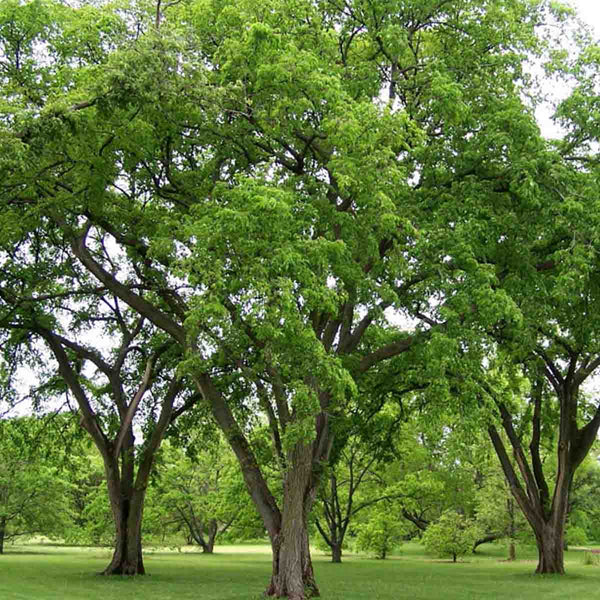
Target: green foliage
575	536
92	517
199	498
35	494
591	558
380	532
452	535
305	200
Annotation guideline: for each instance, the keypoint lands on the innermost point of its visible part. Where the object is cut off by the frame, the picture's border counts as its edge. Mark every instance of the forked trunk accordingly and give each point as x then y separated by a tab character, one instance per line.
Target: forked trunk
204	534
292	575
208	544
127	556
127	504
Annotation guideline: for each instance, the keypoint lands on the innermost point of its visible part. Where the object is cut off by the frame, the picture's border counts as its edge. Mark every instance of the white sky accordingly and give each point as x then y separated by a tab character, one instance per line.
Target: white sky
589	11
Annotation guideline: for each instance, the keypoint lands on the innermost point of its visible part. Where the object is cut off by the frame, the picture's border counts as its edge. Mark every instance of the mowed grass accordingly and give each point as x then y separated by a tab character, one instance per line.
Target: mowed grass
242	573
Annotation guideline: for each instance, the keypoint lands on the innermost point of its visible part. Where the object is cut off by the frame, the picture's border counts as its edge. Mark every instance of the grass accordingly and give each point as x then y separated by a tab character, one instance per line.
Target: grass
44	572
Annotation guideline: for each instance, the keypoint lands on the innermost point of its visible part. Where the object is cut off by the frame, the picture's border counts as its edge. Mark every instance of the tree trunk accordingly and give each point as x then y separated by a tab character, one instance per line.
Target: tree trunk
2	533
293	575
211	533
550	551
336	552
127	556
512	550
512	529
127	504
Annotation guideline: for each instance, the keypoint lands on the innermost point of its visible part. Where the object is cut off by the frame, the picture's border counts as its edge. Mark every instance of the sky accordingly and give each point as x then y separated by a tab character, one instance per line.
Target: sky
589	10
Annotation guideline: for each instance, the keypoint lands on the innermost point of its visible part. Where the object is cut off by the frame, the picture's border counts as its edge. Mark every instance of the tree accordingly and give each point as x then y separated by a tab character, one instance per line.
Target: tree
266	209
34	494
381	531
497	514
584	510
452	535
564	409
365	445
130	382
201	496
524	297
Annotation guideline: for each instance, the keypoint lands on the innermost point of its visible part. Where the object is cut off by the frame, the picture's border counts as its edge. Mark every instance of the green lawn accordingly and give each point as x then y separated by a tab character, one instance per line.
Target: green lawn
241	573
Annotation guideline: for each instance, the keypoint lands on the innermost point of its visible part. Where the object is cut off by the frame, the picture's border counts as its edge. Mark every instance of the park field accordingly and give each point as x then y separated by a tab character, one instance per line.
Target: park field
46	572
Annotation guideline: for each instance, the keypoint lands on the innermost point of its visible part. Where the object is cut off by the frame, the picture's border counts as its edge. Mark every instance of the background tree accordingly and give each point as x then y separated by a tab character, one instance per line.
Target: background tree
381	531
201	497
452	535
34	493
497	514
365	445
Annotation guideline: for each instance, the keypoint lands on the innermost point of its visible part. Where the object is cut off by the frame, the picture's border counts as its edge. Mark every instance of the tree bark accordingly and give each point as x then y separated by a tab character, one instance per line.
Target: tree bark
2	533
512	550
336	552
512	530
127	504
293	575
550	551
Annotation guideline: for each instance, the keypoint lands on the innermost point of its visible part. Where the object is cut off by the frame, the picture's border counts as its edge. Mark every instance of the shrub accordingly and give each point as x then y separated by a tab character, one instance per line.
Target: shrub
591	558
576	536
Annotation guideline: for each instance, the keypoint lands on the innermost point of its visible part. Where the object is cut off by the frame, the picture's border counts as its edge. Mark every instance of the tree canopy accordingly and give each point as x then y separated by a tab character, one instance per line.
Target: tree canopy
301	200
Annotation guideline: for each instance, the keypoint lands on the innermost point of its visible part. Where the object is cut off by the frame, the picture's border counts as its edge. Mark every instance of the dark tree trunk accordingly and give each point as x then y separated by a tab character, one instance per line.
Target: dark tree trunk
336	552
126	490
127	556
127	508
550	551
546	518
2	533
546	512
127	493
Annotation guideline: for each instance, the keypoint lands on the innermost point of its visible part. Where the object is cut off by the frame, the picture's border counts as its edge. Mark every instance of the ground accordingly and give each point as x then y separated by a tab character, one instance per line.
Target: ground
46	572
